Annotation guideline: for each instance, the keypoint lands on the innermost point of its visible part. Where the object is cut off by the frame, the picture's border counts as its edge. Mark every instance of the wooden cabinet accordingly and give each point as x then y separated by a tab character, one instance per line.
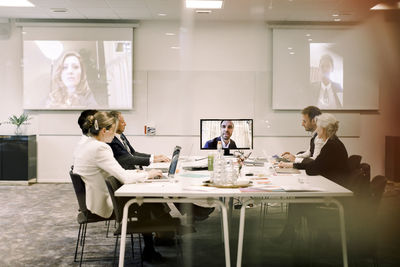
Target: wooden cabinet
18	158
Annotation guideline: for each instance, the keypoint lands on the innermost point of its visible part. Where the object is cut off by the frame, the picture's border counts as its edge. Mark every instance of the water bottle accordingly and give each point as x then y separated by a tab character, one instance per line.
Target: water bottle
219	166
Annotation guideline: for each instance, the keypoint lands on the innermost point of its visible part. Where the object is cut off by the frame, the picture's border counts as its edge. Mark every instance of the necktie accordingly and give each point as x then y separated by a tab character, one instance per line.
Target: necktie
326	96
312	144
125	143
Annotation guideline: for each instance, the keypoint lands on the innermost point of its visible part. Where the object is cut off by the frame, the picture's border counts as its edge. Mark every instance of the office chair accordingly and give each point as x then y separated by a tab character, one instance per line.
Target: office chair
354	162
84	216
137	226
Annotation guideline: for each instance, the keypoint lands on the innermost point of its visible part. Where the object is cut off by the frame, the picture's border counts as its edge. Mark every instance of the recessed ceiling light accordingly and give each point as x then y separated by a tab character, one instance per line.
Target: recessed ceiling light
162	14
337	19
203	11
308	35
310	40
175	47
16	3
290	48
335	15
170	33
292	53
203	4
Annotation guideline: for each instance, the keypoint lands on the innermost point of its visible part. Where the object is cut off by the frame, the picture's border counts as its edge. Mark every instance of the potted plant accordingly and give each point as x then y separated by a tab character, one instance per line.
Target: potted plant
18	121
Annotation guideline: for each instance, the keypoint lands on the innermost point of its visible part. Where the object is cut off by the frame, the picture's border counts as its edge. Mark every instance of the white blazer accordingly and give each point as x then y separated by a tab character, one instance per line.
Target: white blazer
94	161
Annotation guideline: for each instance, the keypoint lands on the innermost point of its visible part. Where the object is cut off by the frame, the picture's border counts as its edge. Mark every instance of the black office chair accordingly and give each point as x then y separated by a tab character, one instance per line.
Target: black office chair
137	226
84	216
363	244
354	162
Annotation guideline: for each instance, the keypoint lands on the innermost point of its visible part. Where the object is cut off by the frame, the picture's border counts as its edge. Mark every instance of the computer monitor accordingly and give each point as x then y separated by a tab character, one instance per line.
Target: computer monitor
237	132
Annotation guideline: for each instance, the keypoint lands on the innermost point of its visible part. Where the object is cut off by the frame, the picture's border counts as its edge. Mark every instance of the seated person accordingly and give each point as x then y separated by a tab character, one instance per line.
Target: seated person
128	157
309	123
330	163
332	160
225	138
94	161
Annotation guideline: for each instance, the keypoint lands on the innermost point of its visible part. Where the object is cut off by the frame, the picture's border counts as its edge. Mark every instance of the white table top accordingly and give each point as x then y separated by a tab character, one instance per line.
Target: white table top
299	185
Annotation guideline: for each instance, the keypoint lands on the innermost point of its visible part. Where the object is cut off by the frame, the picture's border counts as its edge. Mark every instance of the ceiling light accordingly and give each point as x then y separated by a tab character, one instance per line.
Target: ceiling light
16	3
386	6
162	14
59	10
203	11
310	40
337	19
203	4
335	15
170	33
175	47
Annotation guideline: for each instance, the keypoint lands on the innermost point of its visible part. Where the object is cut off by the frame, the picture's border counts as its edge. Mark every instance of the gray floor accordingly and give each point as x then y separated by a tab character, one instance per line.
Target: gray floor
38	228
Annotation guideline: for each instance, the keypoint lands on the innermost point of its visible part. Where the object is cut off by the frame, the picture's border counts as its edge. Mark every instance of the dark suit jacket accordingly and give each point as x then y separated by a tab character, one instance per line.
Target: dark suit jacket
315	90
330	163
213	143
126	159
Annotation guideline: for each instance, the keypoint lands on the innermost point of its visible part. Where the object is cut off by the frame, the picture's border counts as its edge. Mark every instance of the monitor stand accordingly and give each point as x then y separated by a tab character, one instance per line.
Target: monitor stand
226	152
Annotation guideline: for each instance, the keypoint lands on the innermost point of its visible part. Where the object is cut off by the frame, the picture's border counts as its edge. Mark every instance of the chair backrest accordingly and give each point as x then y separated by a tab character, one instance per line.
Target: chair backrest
80	191
354	162
377	186
359	183
118	202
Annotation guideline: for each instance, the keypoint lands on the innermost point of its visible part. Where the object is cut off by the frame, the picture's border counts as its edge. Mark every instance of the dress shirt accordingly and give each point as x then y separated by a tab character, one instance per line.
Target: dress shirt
225	145
310	151
326	97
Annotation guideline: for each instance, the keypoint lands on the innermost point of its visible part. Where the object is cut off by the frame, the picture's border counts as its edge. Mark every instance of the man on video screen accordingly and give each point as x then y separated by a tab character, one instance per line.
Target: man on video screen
225	138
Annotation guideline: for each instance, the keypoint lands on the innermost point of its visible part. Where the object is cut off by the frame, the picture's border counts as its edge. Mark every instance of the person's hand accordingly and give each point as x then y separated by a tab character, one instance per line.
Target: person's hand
161	158
285	164
154	174
290	157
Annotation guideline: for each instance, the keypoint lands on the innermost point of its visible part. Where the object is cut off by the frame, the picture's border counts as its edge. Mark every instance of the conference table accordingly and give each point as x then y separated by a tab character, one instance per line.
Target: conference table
188	187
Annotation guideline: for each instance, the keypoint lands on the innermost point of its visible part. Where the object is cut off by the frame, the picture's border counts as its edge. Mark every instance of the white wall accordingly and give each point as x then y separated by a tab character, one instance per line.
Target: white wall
223	69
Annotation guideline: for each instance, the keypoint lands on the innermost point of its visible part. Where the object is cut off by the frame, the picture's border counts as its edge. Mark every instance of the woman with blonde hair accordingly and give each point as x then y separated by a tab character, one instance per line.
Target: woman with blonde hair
332	160
69	84
94	162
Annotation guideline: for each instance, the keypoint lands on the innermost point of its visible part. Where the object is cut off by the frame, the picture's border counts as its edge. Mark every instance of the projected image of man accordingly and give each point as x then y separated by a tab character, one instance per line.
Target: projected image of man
225	138
327	94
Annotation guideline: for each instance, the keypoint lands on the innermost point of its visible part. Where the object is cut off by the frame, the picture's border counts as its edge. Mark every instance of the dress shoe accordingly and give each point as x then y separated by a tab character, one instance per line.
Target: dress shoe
152	256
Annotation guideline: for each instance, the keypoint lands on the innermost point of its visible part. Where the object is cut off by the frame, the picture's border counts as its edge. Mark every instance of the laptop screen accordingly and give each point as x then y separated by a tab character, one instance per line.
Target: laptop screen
174	161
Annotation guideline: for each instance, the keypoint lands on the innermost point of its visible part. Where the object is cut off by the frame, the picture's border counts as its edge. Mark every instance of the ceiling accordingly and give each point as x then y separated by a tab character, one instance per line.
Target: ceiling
233	10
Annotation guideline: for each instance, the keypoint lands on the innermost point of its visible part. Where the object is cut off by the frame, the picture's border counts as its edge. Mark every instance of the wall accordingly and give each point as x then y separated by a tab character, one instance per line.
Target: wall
223	69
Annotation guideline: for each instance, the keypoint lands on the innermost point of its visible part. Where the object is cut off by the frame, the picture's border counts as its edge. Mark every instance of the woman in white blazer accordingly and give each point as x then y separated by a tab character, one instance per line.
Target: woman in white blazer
94	161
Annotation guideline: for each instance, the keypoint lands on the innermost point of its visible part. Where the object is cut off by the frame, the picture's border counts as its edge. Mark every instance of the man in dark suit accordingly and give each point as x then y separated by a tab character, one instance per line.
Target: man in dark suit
225	138
326	94
125	154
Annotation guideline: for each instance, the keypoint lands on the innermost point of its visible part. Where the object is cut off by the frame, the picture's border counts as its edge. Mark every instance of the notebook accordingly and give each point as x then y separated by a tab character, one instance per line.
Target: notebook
171	168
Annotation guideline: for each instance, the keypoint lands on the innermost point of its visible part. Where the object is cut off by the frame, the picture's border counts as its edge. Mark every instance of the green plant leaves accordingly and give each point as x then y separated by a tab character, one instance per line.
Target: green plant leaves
18	121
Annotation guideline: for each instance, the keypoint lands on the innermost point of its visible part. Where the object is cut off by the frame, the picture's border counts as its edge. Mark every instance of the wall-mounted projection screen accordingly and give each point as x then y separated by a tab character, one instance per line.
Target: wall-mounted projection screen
331	69
77	68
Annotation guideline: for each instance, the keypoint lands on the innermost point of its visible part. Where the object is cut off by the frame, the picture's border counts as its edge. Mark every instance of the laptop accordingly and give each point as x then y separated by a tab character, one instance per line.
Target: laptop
171	168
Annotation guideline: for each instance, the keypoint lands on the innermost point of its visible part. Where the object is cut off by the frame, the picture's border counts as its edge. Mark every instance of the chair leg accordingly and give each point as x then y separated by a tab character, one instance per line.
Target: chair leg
115	249
83	242
77	241
133	254
140	247
108	227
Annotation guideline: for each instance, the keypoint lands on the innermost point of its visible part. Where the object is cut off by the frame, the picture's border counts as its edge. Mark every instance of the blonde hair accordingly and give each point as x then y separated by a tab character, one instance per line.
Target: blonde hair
94	123
328	122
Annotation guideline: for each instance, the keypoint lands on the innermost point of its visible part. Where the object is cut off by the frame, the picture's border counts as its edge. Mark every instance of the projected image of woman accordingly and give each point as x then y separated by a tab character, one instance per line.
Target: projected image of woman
69	85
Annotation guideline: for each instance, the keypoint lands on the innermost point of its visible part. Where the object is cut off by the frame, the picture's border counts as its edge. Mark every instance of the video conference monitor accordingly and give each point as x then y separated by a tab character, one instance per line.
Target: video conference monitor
233	134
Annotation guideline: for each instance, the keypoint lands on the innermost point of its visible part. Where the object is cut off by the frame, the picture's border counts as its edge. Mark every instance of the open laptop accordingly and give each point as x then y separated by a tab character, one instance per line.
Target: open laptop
171	168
